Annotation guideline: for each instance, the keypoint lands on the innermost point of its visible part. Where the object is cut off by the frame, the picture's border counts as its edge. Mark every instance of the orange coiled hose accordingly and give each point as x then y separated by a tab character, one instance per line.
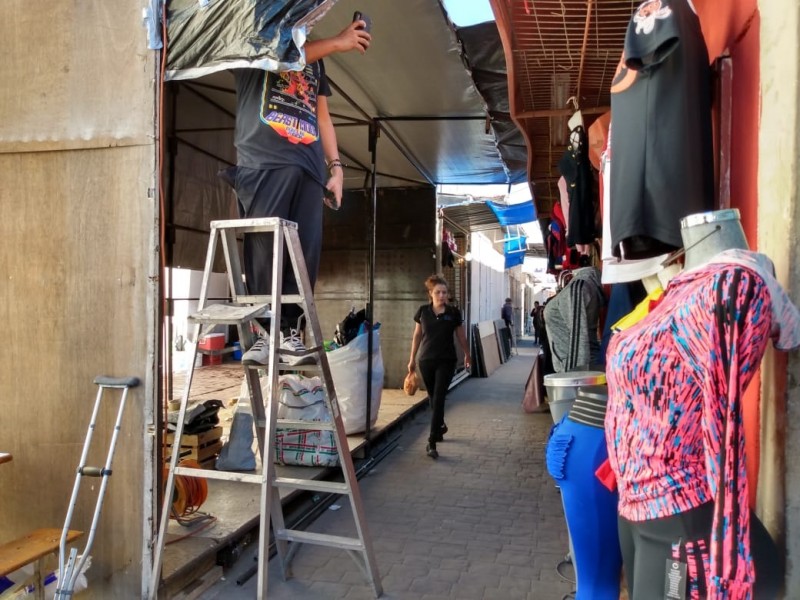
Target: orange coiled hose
190	492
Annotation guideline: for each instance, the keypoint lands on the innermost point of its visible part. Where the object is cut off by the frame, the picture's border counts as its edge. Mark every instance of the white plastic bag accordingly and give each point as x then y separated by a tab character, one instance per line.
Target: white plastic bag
349	370
300	398
303	399
19	584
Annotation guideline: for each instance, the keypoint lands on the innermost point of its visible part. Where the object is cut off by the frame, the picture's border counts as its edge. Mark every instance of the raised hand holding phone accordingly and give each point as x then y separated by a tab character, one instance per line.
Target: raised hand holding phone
359	16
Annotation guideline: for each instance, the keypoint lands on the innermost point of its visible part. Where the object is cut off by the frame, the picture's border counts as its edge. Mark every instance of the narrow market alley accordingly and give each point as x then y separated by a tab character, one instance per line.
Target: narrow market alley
484	521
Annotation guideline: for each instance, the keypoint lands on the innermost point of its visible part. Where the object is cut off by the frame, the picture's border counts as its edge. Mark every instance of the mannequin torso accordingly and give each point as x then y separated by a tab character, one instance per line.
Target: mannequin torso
676	380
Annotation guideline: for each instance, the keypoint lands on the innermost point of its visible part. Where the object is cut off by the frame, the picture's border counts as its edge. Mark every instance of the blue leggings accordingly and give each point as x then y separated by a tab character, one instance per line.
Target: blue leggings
574	452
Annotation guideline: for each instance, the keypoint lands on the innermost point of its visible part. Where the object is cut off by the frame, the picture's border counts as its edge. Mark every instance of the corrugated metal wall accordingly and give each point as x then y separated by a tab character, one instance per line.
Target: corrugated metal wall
489	287
405	257
77	266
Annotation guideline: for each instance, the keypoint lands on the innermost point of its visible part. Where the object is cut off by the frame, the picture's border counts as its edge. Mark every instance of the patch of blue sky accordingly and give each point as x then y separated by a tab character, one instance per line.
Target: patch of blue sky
468	12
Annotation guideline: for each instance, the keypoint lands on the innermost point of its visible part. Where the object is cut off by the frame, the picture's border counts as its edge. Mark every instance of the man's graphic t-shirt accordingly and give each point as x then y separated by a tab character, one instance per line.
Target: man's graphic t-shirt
276	122
288	106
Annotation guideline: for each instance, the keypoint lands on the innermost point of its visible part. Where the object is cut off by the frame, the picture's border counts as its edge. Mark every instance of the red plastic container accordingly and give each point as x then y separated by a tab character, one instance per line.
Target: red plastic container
212	341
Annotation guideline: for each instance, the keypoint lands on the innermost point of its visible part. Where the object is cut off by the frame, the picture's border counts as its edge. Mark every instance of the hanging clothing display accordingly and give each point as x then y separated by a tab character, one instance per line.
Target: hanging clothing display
572	317
448	248
662	138
556	240
623	298
615	269
563	195
674	424
576	169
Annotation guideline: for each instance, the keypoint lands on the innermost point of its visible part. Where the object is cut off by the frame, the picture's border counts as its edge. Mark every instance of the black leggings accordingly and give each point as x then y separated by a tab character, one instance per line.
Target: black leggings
437	374
646	546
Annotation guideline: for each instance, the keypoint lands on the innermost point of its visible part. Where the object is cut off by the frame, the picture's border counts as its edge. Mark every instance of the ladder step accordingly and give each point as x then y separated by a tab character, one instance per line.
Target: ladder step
255	225
286	367
320	539
220	475
230	314
304	425
314	485
262	298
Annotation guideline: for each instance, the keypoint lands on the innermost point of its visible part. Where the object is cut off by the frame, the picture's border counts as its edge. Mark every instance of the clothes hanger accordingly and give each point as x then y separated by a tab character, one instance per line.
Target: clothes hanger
576	120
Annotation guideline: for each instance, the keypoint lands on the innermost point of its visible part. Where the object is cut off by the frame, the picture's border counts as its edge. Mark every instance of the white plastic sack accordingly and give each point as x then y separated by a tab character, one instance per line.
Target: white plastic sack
349	370
300	398
19	584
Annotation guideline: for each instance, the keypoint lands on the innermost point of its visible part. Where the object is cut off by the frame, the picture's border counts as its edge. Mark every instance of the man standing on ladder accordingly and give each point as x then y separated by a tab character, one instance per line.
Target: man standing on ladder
287	162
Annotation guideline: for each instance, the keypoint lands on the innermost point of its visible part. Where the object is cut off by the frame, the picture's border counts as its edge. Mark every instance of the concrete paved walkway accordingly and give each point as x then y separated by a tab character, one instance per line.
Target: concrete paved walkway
484	521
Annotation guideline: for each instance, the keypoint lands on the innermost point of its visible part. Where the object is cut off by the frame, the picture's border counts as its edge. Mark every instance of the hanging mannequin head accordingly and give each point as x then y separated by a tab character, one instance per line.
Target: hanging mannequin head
707	234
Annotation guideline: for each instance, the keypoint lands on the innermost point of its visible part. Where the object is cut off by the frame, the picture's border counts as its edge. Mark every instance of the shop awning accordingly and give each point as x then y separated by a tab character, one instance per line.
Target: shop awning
513	214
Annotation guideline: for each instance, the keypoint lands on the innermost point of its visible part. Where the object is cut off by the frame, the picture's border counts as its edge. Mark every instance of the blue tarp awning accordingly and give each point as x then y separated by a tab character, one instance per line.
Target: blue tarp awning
514	214
514	250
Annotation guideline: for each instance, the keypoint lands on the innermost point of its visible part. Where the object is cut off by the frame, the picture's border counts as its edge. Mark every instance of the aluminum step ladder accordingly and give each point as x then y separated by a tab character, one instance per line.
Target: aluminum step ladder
241	311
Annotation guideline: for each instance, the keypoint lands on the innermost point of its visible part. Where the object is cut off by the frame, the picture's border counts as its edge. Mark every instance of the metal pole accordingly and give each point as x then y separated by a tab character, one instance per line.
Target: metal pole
373	146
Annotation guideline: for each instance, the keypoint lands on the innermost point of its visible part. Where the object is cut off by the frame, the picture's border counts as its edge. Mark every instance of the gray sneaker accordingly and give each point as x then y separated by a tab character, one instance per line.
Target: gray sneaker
296	350
258	354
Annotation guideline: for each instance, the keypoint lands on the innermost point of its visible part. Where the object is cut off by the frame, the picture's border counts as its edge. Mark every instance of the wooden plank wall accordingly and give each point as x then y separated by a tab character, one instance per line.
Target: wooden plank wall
77	268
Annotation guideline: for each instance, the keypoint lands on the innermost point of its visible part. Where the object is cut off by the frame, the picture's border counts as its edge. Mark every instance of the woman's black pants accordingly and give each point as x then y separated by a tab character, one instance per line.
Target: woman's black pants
437	374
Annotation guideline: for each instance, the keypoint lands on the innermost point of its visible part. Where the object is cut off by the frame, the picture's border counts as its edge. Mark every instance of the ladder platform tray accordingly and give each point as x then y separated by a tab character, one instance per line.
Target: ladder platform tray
230	314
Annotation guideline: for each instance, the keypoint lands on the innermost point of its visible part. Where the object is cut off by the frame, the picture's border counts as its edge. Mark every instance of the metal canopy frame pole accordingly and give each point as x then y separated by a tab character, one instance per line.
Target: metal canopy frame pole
373	212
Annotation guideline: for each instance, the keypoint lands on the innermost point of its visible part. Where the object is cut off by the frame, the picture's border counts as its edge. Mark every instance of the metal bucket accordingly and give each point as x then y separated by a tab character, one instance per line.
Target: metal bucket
562	388
707	234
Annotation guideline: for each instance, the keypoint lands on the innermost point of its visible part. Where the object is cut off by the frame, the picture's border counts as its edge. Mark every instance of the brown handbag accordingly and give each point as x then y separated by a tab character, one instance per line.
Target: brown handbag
410	384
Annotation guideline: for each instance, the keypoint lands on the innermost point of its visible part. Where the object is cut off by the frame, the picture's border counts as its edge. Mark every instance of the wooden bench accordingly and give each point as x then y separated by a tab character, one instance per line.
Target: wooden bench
33	547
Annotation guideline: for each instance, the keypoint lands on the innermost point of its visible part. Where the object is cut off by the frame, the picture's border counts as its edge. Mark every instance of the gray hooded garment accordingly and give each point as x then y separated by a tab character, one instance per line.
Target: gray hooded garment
572	318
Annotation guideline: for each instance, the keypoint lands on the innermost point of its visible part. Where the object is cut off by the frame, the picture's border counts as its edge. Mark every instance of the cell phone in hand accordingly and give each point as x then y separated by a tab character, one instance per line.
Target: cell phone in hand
329	198
359	16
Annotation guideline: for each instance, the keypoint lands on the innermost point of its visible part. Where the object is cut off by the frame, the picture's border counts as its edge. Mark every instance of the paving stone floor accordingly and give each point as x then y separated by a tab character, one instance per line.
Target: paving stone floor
483	522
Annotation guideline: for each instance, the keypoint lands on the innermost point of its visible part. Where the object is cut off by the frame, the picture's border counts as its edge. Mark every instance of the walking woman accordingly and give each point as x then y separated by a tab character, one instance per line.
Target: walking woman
432	343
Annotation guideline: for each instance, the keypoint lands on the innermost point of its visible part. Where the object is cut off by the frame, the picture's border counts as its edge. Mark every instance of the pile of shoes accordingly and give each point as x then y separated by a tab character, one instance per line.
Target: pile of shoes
292	351
200	417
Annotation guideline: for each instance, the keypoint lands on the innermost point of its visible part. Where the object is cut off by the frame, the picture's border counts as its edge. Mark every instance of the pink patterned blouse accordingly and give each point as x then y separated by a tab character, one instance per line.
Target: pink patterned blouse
674	421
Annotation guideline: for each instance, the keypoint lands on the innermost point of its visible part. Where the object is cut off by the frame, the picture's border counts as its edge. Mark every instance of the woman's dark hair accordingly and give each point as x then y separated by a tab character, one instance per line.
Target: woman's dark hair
434	280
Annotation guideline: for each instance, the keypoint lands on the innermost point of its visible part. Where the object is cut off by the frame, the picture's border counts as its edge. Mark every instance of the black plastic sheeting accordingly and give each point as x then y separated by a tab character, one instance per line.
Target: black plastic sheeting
411	82
215	35
483	55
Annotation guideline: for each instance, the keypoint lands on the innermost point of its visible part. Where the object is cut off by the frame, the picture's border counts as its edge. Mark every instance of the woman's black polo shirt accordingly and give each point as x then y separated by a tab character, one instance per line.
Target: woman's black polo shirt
437	332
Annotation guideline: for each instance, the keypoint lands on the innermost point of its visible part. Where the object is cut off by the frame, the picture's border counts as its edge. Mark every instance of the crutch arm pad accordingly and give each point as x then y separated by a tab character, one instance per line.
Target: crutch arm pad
117	382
